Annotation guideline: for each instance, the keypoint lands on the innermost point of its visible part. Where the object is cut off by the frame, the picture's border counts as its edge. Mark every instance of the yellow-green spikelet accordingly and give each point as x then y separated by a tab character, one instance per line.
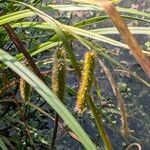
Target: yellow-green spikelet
59	74
25	89
86	81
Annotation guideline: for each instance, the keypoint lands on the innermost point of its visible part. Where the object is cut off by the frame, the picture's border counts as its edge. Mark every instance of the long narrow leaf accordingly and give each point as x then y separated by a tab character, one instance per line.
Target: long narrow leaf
15	16
103	31
88	7
2	145
113	30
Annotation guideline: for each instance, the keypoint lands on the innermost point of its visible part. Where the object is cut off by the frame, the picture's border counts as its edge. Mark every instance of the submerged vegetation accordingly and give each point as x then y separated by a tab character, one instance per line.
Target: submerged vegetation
55	58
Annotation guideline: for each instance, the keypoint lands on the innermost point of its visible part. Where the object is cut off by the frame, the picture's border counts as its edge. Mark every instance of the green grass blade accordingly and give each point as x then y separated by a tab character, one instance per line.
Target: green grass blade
95	36
99	19
133	11
15	16
39	49
2	145
113	30
88	7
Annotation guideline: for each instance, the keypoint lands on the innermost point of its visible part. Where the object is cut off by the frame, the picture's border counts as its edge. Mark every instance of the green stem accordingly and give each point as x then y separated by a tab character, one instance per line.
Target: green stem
100	125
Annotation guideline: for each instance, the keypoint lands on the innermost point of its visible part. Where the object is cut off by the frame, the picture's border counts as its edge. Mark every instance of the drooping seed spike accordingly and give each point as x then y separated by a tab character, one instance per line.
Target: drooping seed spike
25	90
59	74
86	81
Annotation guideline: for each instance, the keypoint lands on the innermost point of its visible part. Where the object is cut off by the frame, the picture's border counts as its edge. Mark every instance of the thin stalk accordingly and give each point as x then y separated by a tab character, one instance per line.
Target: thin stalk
13	36
25	123
121	103
100	125
55	132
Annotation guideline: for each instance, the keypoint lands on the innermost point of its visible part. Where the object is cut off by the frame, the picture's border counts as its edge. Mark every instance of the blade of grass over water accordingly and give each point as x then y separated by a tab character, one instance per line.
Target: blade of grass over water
40	48
46	93
88	7
103	31
100	126
111	30
15	16
99	19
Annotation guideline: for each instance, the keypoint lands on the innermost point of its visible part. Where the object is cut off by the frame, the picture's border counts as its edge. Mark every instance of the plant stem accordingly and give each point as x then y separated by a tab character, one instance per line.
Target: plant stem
121	103
55	132
15	39
100	125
